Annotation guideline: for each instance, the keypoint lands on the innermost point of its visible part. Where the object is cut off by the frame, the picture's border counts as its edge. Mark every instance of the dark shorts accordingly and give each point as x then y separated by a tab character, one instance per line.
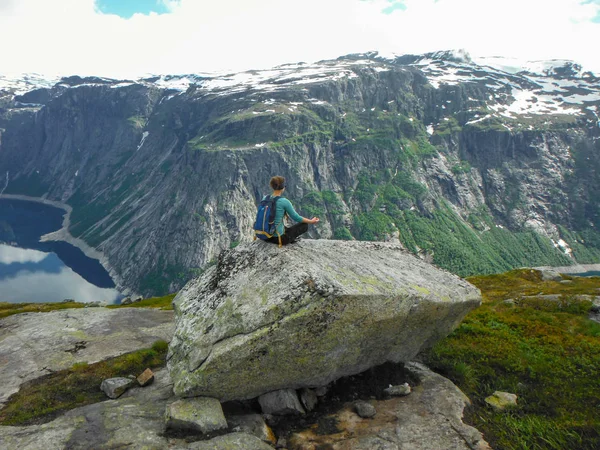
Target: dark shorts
290	235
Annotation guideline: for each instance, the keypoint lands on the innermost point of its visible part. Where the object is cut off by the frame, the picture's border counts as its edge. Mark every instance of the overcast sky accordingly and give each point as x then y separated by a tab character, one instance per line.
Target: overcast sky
128	38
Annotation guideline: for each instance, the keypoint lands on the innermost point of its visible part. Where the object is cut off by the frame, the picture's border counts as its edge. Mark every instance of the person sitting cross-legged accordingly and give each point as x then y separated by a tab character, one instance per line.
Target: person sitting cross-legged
284	206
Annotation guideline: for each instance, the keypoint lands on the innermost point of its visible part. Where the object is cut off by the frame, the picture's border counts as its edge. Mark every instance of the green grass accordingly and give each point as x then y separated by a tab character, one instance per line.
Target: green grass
548	353
43	399
8	309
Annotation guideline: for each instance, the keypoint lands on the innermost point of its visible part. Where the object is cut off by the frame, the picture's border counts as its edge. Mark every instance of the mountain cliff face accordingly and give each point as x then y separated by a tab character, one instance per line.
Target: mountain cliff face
471	167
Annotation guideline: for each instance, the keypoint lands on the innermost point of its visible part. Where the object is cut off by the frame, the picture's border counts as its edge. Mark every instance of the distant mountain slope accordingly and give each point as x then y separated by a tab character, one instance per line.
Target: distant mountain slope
476	168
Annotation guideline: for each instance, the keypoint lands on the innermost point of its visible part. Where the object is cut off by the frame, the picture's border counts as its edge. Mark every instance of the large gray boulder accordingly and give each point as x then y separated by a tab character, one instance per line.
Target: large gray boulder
268	318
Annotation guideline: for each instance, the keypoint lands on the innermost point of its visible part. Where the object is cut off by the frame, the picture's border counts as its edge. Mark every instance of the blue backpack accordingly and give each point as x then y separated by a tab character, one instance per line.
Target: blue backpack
264	226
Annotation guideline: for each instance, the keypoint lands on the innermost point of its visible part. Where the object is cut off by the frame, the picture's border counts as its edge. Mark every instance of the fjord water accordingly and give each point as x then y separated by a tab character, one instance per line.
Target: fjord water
33	271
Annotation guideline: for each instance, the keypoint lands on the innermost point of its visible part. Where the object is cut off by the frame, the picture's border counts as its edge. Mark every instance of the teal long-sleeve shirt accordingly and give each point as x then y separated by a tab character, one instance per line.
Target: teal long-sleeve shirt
285	206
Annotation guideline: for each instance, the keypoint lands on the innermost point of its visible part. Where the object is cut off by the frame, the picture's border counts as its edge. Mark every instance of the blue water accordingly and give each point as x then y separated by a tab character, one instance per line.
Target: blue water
586	274
33	271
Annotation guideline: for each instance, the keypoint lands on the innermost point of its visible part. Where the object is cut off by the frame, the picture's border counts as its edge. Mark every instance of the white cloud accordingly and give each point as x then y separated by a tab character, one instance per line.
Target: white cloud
72	36
53	287
10	255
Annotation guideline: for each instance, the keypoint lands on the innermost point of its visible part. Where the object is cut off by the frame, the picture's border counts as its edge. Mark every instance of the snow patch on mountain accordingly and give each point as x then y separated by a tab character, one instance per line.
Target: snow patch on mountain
19	84
515	87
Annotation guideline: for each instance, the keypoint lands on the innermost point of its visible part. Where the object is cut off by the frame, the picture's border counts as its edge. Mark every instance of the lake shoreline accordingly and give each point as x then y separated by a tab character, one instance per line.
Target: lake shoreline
576	268
64	235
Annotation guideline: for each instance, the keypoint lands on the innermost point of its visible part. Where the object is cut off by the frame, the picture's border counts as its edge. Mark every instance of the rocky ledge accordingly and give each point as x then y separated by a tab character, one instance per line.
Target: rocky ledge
36	344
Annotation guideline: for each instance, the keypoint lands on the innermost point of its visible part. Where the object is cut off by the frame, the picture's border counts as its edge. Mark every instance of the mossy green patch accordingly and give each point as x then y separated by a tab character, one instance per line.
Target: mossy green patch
42	399
549	356
421	290
8	309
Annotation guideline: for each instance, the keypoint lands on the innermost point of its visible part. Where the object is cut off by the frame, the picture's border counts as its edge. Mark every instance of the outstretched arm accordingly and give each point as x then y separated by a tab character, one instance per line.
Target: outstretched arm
289	209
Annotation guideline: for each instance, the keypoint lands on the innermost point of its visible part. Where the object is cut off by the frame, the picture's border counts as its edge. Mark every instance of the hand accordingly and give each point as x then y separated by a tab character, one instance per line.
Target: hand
314	220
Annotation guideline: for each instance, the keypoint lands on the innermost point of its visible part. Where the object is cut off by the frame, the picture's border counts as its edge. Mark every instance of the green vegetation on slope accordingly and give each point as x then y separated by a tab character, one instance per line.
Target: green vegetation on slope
8	309
42	399
476	246
546	352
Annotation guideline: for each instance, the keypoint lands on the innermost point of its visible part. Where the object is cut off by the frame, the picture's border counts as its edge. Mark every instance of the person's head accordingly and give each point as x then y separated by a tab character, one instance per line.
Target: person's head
277	183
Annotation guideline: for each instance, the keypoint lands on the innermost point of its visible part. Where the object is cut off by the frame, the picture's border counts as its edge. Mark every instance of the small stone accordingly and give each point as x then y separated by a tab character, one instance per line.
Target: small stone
201	414
146	378
364	409
283	402
281	442
271	420
138	299
252	424
566	282
115	387
126	301
550	275
321	391
398	391
509	302
308	398
501	400
231	441
93	305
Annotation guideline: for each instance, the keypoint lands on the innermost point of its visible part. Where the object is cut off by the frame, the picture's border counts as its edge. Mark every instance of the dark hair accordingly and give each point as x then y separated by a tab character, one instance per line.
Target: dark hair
277	183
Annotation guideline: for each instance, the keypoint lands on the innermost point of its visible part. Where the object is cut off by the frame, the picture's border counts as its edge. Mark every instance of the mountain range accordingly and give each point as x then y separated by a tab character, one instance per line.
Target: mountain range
475	164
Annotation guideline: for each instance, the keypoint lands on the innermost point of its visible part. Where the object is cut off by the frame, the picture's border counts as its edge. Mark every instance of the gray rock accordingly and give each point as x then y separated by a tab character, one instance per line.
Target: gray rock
59	334
321	391
115	387
93	305
501	400
232	441
428	419
364	409
126	301
566	282
398	391
252	424
248	326
202	414
308	397
550	275
282	402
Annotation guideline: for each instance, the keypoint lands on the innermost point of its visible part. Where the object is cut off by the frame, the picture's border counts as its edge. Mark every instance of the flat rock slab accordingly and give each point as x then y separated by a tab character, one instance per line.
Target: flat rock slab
430	418
35	344
232	441
135	420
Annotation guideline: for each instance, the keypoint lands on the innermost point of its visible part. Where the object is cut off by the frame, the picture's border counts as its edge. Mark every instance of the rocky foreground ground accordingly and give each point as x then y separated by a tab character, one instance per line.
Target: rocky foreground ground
357	304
